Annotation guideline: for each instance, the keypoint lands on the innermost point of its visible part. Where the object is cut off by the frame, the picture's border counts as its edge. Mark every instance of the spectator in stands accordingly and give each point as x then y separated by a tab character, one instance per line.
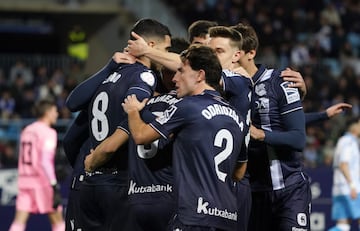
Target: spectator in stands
20	68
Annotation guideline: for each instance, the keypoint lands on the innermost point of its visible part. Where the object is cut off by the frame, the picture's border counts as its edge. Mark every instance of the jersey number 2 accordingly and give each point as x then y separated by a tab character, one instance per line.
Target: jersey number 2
222	135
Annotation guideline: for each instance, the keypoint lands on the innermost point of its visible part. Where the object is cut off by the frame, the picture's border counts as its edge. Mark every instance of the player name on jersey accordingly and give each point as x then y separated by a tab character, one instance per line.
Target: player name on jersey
216	109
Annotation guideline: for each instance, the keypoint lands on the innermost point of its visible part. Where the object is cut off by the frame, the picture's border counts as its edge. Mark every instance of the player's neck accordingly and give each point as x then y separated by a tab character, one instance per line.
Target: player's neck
144	61
250	68
45	121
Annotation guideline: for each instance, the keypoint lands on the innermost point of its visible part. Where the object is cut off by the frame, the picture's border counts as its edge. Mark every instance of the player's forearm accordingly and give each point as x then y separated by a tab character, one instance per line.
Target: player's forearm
315	117
136	126
81	95
106	149
239	171
294	136
47	164
169	60
344	168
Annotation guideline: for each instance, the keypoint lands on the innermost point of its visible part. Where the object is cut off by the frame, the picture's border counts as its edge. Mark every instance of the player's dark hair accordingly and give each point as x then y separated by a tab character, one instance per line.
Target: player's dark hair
200	28
42	106
204	58
150	28
178	45
250	38
227	32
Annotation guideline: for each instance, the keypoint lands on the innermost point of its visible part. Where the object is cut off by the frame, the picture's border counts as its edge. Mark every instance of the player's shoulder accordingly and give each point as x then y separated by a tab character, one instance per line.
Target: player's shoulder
142	73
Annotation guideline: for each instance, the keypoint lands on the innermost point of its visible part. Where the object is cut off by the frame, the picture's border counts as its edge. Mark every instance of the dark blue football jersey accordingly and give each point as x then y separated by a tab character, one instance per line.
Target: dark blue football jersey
273	167
208	134
238	90
150	166
106	112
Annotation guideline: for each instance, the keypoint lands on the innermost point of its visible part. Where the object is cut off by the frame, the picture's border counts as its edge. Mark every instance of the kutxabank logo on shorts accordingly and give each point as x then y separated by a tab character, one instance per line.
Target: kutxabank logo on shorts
203	207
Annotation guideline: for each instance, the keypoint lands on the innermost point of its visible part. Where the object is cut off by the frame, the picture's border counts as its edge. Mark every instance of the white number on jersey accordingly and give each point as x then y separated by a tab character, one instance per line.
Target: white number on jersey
148	151
222	135
100	124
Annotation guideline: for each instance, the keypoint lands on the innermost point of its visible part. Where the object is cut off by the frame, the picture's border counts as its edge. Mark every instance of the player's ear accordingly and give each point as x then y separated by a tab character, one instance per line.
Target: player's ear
236	57
201	75
151	43
251	54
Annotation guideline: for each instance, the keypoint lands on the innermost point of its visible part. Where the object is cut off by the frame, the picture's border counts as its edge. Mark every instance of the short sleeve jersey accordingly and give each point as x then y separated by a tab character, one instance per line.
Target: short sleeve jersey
36	140
346	151
273	167
208	134
105	110
150	166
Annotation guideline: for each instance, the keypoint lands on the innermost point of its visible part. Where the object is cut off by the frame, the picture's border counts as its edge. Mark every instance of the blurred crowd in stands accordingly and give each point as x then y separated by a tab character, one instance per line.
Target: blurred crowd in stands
320	38
21	85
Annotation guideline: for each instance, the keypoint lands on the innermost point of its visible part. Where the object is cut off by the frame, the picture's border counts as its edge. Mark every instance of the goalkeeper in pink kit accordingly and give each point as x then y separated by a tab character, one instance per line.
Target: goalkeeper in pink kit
38	189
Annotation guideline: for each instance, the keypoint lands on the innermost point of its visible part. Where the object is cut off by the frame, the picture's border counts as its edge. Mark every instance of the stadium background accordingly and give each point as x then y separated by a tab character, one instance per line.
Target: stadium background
321	39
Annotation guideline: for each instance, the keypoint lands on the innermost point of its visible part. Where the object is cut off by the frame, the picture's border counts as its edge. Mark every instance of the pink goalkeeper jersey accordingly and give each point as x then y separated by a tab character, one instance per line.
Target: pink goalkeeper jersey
36	155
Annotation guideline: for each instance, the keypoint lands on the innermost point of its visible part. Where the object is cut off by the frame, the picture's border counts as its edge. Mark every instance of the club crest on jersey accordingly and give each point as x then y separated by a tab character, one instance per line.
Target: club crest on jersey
292	94
148	78
260	89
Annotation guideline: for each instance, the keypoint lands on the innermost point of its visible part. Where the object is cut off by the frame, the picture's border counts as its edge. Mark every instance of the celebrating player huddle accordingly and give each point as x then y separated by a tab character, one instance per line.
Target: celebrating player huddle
159	159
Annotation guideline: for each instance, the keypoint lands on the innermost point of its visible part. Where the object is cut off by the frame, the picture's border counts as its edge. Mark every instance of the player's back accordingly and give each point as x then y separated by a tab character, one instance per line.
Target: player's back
105	110
150	166
36	140
206	147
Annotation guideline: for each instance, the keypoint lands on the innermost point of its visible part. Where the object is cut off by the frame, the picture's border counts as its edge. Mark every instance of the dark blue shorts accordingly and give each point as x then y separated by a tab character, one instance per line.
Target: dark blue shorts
243	194
176	225
104	206
285	209
72	221
151	216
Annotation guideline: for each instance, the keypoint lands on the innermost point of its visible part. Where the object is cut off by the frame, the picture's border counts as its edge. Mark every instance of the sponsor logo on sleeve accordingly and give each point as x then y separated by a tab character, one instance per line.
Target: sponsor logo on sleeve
292	94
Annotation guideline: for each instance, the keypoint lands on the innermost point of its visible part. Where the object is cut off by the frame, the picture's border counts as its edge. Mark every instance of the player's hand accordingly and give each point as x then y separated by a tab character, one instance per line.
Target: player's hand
138	46
121	57
296	80
337	109
132	103
256	133
57	198
353	193
88	162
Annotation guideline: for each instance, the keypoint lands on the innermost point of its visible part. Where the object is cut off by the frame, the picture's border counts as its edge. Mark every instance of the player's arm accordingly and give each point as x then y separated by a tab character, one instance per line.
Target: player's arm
239	171
296	80
293	137
105	150
141	132
241	164
139	47
344	168
330	112
79	97
75	136
47	160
